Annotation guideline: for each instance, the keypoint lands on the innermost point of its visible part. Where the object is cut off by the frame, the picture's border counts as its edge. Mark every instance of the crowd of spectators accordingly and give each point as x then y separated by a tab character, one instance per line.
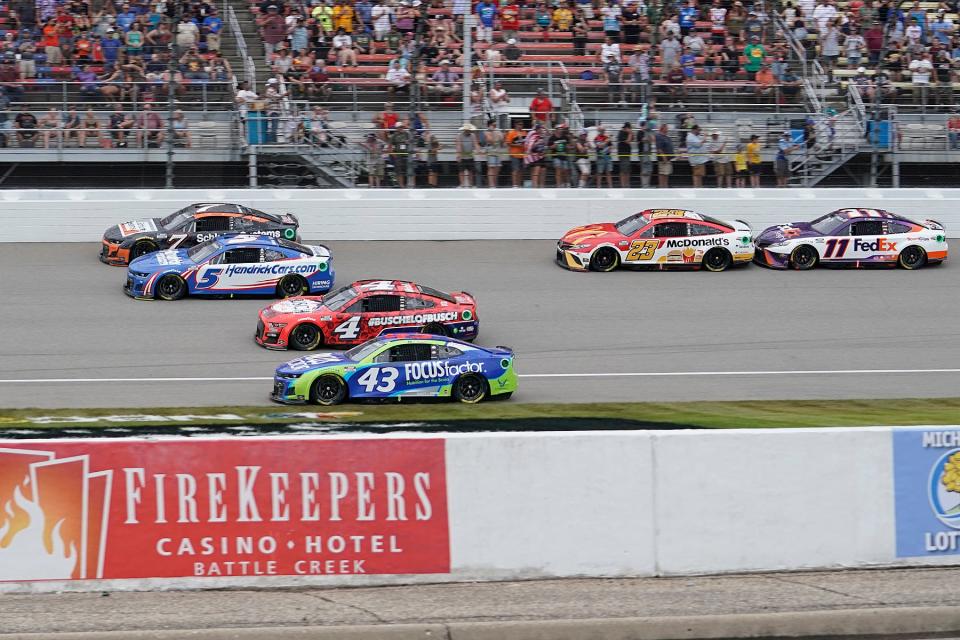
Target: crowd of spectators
882	47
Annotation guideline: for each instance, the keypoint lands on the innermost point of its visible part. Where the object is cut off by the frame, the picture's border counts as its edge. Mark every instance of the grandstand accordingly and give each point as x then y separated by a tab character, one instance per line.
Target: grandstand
275	93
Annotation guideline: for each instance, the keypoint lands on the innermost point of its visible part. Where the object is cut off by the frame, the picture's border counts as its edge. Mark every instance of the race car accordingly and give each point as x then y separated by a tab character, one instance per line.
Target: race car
232	265
189	227
365	309
853	237
657	238
404	365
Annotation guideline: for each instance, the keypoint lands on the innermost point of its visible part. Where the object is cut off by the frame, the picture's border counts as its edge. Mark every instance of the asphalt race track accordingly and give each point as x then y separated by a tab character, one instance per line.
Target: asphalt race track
71	338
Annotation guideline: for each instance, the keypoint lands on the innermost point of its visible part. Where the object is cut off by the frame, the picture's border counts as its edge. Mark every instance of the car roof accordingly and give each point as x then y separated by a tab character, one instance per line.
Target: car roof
399	286
424	337
851	214
227	207
658	214
247	240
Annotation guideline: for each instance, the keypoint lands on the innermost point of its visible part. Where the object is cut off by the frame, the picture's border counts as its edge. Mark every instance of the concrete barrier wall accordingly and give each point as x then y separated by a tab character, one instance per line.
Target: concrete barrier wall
502	506
448	214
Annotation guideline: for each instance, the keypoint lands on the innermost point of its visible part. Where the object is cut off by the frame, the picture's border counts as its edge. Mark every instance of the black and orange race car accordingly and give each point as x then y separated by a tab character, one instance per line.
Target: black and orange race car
190	226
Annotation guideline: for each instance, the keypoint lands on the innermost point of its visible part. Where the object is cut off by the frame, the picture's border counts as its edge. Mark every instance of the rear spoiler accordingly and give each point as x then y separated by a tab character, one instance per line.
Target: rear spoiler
937	225
503	348
289	218
743	222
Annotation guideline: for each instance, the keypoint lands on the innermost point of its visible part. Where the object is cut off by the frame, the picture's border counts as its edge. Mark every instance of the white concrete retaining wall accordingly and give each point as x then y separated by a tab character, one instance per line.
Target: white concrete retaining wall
620	504
448	214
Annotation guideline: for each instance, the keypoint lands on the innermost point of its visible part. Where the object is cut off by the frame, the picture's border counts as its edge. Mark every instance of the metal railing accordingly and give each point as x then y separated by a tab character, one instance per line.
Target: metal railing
249	68
191	95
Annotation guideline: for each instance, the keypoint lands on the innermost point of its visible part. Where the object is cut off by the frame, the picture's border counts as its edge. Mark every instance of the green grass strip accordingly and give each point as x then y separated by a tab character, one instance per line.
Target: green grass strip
717	415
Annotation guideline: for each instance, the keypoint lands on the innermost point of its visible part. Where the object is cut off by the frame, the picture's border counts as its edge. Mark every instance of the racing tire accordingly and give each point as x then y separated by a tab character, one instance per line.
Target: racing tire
804	257
292	285
470	389
913	257
142	248
717	260
305	337
170	287
604	259
328	390
435	329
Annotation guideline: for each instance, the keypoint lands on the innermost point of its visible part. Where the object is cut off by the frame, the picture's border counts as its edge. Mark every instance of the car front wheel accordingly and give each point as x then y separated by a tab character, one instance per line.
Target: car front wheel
305	337
171	287
804	257
329	390
605	259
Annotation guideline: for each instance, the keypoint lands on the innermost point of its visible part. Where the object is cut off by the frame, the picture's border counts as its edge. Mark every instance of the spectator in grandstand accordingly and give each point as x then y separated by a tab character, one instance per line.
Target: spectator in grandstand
512	53
27	62
609	51
181	130
715	149
433	159
398	78
736	17
697	155
603	147
192	64
71	126
494	142
542	19
824	14
754	161
883	86
790	84
49	125
953	128
500	103
785	147
920	71
149	127
515	140
694	43
244	98
343	49
210	29
752	27
740	167
559	150
25	124
467	145
630	22
343	16
158	38
400	147
640	65
687	61
625	140
381	14
610	15
273	30
670	50
119	125
766	82
299	35
134	41
665	152
855	46
718	22
386	120
541	108
754	57
509	20
581	33
486	19
729	60
873	38
562	18
407	17
89	128
942	29
863	83
613	77
675	80
444	81
534	149
943	72
274	96
188	33
372	148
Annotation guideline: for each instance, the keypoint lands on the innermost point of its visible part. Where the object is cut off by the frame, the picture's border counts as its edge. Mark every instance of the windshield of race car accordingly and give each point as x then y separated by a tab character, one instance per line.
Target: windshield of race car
203	251
628	226
174	220
337	299
824	225
359	353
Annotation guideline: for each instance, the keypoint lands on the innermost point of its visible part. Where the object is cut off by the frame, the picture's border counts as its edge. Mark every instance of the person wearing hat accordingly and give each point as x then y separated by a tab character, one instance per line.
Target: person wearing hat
854	46
274	96
467	146
444	81
697	155
581	151
766	82
509	21
755	56
534	149
716	149
273	31
785	146
512	53
753	160
400	148
373	148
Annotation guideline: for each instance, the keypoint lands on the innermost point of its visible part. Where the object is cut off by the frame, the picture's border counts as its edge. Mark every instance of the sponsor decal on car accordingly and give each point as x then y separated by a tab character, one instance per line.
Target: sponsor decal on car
137	226
698	242
880	244
275	269
432	370
168	258
297	306
419	318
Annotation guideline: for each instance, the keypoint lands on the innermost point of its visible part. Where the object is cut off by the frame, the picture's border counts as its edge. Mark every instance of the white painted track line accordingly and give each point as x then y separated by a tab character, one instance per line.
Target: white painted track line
631	374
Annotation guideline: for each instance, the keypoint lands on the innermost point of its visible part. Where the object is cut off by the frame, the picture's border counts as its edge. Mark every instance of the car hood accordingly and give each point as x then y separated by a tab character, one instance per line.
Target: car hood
592	233
789	231
161	260
313	361
294	306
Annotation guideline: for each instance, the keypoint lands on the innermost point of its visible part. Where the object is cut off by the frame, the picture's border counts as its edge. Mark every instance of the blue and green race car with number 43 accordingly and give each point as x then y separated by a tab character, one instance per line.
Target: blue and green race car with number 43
401	365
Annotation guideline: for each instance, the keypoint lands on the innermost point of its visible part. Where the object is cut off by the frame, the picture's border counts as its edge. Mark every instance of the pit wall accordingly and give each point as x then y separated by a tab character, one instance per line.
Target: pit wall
478	507
448	214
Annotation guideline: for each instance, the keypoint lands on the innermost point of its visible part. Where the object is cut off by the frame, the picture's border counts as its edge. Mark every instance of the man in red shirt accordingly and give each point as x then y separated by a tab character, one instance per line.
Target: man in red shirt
541	108
510	21
51	42
874	39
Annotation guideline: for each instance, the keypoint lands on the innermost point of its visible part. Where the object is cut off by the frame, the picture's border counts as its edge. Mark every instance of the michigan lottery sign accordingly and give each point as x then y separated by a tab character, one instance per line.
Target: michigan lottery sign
927	490
120	509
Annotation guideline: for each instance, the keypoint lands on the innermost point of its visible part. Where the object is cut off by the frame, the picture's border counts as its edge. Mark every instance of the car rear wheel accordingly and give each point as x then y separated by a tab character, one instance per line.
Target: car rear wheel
717	260
142	248
470	389
804	257
605	259
171	287
328	390
292	285
305	337
912	257
435	329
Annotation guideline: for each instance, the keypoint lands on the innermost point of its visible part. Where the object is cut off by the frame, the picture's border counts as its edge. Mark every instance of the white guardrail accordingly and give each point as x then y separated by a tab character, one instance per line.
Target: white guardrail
449	214
400	508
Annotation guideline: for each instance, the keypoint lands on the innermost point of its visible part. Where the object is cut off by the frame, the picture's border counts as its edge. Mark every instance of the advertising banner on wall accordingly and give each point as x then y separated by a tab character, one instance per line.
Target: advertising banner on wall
212	508
927	491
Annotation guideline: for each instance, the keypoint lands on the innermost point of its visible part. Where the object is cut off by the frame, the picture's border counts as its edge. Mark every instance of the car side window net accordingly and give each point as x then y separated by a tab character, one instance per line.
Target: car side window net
379	304
867	228
417	303
241	256
213	223
410	353
671	230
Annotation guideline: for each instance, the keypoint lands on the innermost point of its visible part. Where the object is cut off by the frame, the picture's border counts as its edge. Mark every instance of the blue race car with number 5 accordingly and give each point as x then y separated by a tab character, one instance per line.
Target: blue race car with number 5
234	265
402	365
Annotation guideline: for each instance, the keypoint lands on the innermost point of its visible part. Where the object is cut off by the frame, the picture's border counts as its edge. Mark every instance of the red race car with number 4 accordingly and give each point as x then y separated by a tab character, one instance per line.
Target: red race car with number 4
657	238
364	310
